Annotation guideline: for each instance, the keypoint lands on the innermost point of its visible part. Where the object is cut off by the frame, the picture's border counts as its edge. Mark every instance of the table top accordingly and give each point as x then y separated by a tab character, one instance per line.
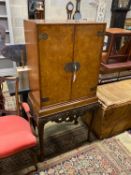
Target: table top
118	31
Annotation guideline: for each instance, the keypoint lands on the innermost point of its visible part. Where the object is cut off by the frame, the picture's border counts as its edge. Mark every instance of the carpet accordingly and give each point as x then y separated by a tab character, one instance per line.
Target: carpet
107	157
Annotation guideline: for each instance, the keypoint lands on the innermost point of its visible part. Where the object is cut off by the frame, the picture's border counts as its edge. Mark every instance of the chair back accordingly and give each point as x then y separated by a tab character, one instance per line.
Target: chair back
8	104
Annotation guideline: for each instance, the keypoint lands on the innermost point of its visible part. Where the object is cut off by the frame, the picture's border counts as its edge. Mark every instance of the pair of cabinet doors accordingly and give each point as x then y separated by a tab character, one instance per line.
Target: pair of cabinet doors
69	59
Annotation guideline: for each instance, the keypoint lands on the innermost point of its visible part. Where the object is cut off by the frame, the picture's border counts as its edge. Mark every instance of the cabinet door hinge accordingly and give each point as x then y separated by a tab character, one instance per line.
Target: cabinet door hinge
44	99
43	36
93	88
100	33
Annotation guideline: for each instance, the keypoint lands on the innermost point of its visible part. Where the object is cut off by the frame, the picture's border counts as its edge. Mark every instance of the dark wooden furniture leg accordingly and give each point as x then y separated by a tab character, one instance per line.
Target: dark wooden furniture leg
91	124
41	139
66	116
2	107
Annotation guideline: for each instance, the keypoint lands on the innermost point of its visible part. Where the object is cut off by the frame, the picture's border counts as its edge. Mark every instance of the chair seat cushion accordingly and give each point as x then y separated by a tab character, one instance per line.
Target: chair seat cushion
15	135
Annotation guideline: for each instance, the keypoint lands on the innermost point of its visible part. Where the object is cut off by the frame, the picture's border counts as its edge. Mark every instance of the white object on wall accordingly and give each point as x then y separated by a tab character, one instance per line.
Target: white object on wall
19	12
101	11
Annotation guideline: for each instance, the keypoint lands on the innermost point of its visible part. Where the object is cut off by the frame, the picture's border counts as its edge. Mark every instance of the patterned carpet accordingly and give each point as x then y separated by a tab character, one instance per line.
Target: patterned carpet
107	157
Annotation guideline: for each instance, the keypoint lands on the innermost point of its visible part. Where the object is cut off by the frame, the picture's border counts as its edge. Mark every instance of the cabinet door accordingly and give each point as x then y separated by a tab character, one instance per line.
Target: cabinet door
55	51
87	52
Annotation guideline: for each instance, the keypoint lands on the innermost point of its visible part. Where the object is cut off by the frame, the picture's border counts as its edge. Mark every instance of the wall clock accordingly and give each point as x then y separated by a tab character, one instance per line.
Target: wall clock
32	8
77	14
69	8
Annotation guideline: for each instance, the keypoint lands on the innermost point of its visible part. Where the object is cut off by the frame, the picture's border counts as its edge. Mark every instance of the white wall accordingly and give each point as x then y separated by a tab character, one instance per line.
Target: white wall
108	12
19	12
129	14
55	10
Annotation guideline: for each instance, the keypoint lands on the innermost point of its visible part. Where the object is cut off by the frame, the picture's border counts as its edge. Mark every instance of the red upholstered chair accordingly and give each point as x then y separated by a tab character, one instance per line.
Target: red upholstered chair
15	132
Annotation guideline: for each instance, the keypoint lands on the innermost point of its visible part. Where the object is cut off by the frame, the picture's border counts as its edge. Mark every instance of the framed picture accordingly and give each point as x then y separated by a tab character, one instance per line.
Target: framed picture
33	8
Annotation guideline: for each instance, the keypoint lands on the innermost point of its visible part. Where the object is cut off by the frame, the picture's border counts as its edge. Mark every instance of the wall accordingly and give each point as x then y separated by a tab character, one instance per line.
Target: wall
108	12
55	9
129	14
18	11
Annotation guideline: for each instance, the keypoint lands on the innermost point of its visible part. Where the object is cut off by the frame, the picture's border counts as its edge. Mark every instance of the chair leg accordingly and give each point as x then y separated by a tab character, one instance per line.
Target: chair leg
34	158
0	167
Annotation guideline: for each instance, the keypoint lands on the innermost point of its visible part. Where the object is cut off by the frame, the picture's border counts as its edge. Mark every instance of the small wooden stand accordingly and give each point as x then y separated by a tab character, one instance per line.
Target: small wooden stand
116	59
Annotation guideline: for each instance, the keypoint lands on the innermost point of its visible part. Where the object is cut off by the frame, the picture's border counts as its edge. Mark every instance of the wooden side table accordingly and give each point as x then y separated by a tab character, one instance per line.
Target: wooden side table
116	57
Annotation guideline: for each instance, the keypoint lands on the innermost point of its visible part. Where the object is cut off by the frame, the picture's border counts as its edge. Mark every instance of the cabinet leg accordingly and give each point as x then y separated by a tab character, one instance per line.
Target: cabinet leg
41	140
90	124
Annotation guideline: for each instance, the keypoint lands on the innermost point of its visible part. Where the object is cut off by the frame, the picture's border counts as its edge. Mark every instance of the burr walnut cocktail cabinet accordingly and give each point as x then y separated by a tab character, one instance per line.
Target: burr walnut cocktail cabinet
64	60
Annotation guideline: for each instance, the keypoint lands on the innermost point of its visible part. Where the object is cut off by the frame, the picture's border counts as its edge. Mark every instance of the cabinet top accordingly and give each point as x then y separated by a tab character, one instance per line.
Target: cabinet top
50	22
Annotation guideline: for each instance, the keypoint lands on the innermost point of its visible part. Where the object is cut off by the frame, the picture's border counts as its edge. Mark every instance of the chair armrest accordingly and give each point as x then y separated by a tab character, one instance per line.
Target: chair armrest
26	109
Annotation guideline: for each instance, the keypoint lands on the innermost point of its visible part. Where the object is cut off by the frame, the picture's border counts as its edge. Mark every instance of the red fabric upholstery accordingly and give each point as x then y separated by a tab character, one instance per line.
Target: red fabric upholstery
15	135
